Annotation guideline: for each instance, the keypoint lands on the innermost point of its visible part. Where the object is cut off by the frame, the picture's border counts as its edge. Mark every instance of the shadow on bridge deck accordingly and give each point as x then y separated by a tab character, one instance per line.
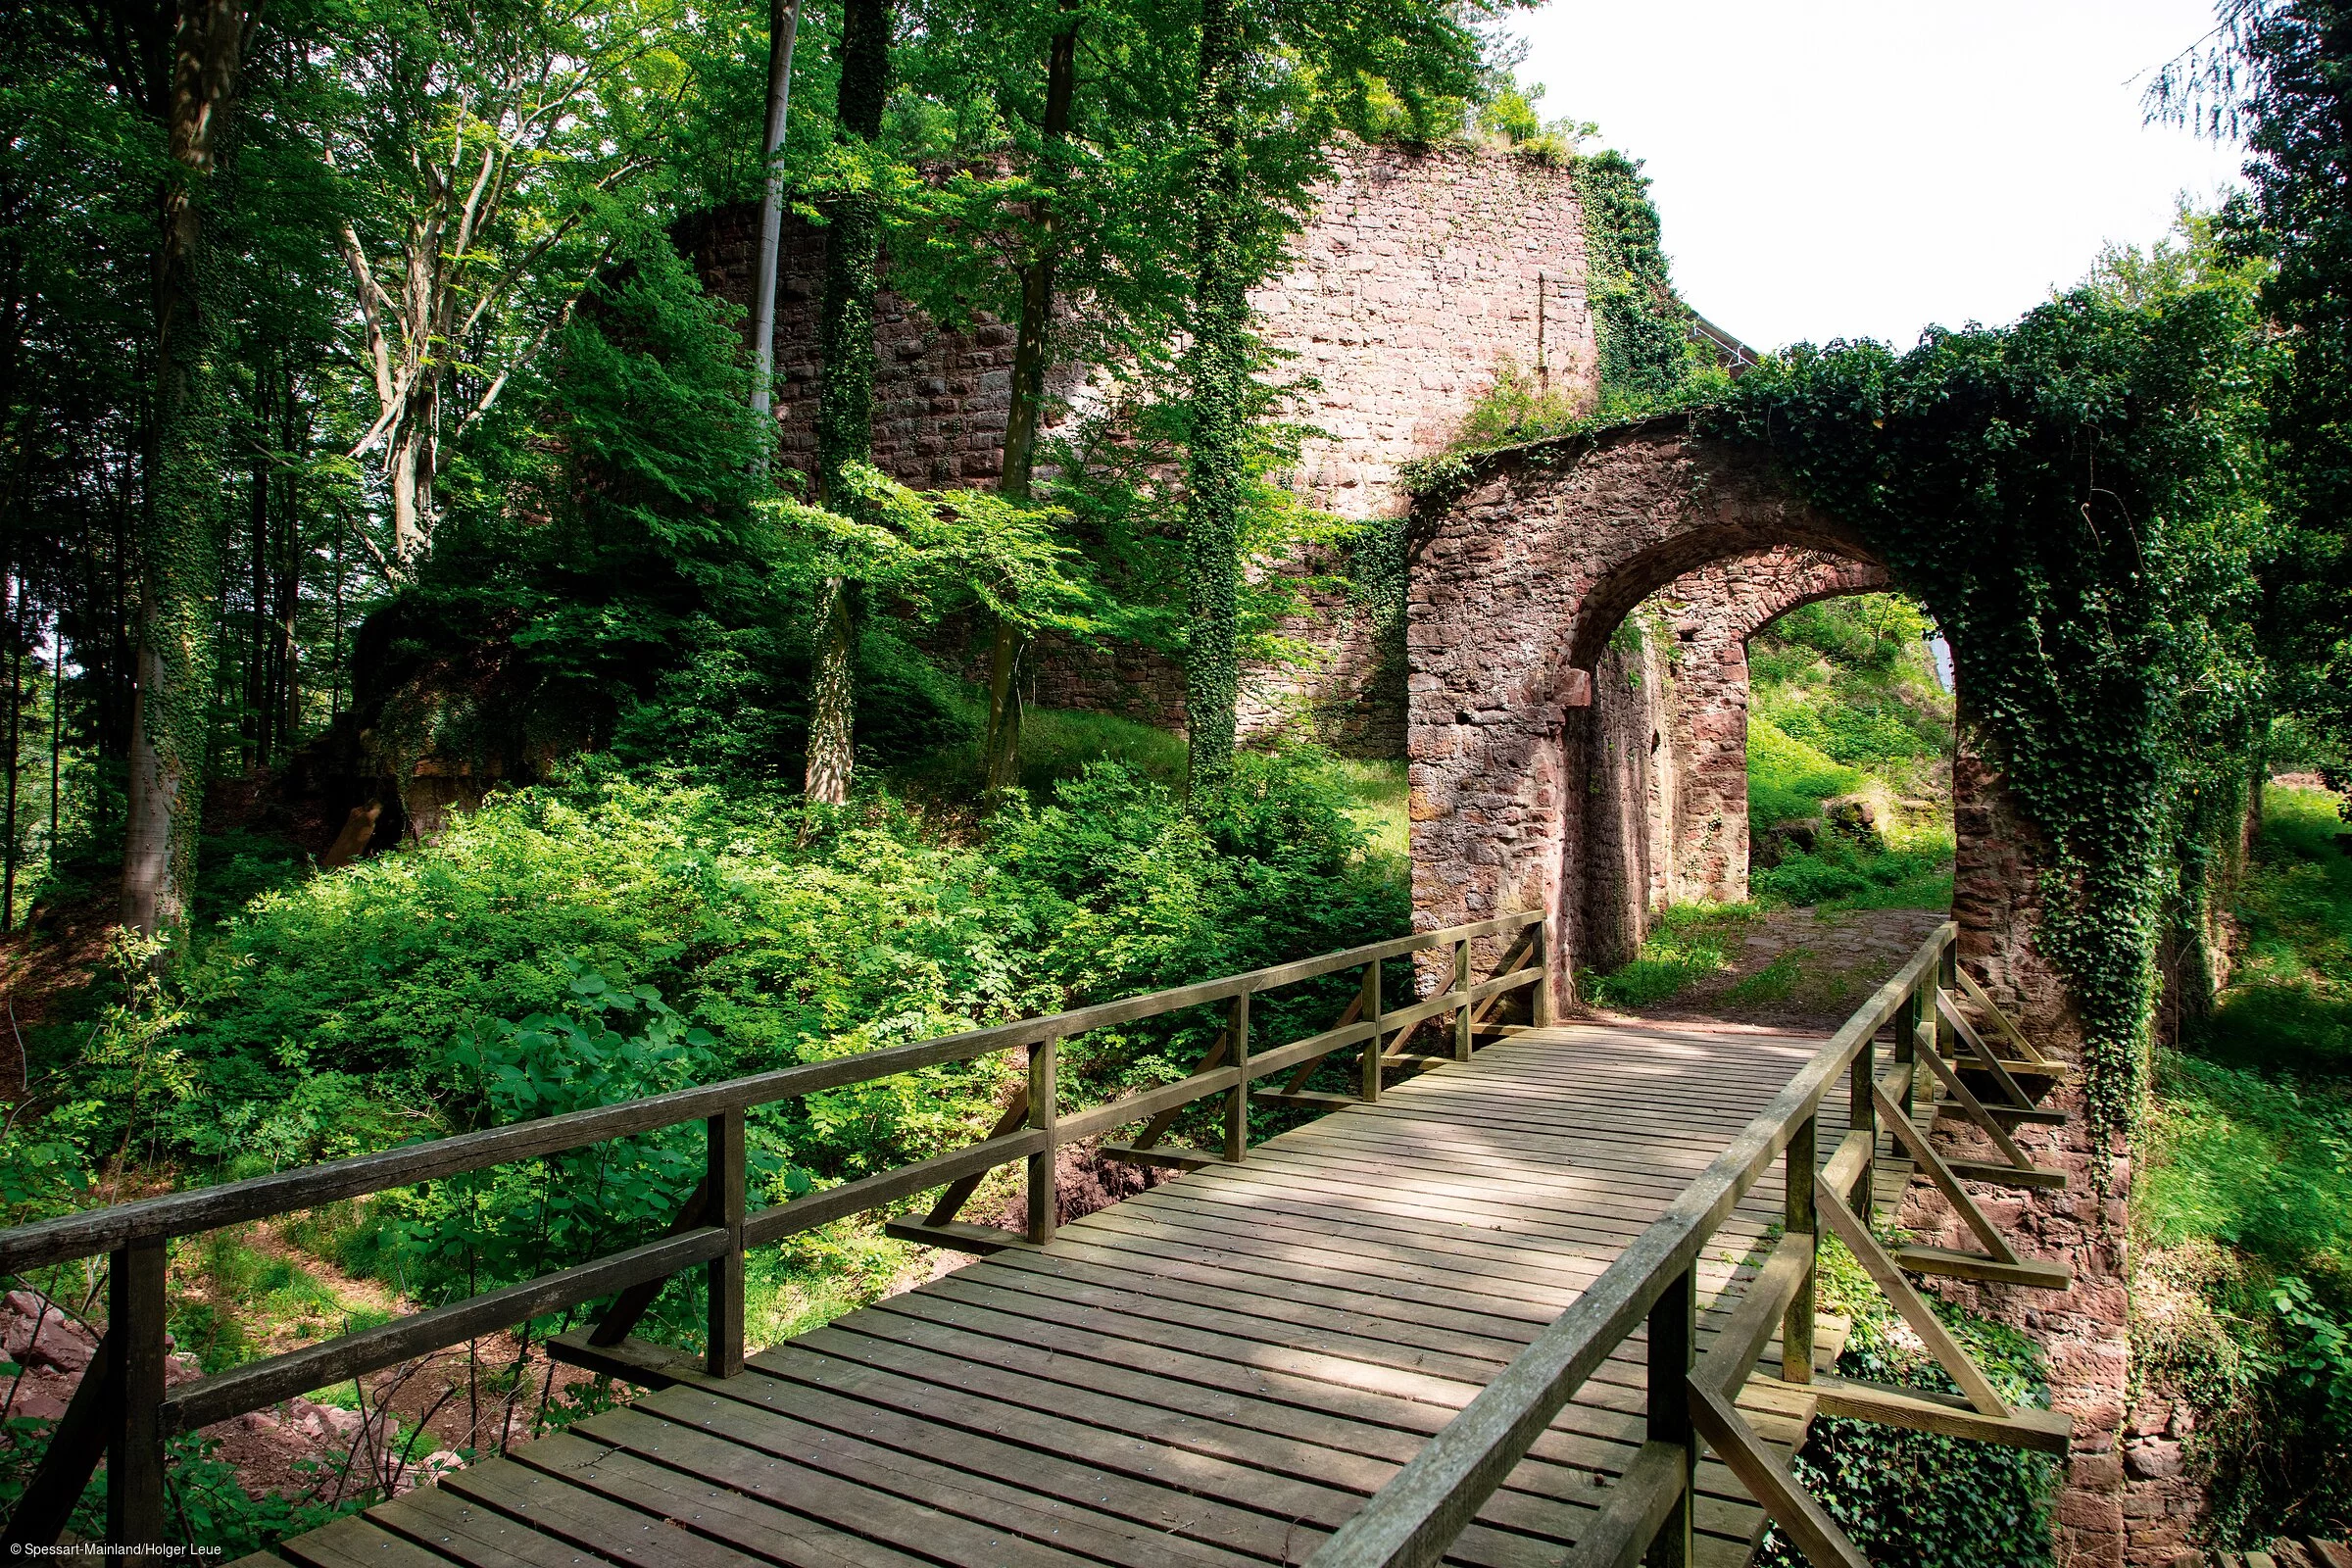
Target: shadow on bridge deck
1220	1371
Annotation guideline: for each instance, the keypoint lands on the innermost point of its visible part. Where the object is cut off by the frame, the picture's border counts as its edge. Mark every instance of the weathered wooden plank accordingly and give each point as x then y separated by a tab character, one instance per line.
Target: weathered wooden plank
774	1223
1150	1462
719	1513
886	1518
357	1541
609	1531
468	1532
985	1500
1919	1411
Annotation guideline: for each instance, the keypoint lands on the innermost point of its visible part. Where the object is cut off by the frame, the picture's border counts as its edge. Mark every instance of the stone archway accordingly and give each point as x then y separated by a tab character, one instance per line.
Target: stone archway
1524	795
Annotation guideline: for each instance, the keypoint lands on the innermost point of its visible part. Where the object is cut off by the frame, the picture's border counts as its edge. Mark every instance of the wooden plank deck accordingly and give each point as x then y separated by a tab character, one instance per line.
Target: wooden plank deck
1219	1371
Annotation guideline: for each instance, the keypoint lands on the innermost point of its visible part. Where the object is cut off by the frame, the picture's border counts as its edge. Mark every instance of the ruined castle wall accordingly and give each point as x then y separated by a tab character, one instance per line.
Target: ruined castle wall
1417	274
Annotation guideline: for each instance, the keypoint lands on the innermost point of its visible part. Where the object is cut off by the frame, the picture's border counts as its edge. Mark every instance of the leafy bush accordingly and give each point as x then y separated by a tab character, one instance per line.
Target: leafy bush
1840	874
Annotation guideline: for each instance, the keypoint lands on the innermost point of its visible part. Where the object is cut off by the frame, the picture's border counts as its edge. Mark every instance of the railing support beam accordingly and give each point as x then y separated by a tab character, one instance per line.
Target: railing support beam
134	1447
723	1172
1673	1346
1044	1109
1796	1326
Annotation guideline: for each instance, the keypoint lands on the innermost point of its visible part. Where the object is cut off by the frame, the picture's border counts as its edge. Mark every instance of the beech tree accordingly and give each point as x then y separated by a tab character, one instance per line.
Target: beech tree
484	145
845	410
170	727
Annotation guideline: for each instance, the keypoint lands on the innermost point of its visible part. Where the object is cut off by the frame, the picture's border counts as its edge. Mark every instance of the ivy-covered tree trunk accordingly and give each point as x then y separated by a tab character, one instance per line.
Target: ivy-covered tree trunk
1218	371
181	554
1000	756
845	408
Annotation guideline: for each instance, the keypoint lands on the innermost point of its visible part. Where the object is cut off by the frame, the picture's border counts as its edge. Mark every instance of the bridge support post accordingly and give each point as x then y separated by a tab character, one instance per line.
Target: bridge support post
723	1180
1797	1324
1237	1099
1907	1020
134	1444
1540	952
1673	1349
1369	1090
1862	1111
1461	1008
1044	1109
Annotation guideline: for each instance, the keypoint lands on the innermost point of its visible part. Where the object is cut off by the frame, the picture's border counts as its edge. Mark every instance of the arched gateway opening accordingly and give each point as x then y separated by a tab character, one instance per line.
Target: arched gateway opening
1549	772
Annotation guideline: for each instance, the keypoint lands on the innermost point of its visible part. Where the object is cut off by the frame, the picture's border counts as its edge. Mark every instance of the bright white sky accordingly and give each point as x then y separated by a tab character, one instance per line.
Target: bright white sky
1866	167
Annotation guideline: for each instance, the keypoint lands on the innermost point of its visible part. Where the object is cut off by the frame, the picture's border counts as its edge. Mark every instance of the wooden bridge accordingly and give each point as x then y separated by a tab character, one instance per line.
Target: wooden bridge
1494	1308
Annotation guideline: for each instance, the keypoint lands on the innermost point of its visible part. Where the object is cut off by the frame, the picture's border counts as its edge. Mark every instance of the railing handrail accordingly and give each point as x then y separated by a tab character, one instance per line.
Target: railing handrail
1412	1520
87	1233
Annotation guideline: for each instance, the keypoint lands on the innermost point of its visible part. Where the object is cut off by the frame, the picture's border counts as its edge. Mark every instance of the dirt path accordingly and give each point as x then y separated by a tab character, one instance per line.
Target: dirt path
1798	969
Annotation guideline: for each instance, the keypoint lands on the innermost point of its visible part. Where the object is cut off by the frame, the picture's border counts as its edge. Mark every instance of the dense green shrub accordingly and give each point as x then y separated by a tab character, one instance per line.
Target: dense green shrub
609	935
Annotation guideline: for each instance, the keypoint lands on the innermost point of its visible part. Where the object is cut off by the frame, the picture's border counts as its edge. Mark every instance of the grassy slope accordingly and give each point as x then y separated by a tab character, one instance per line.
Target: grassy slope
2242	1294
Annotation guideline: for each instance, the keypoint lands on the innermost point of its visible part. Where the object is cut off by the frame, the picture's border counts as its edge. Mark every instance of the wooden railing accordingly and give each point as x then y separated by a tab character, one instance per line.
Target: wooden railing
1693	1399
124	1410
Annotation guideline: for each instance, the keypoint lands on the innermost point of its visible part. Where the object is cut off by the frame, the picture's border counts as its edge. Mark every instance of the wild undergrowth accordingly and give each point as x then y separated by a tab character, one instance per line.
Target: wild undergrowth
621	932
1915	1497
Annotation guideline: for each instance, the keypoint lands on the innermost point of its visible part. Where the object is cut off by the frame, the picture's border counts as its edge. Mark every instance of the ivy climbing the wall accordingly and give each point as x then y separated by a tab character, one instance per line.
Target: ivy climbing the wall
2074	499
1643	329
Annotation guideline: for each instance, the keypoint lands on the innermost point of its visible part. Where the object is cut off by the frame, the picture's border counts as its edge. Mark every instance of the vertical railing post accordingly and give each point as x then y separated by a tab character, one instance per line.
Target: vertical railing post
135	1447
1461	1004
1044	1107
1236	1098
1541	950
1369	1090
1796	1328
1948	1037
1862	1111
1907	1020
1673	1344
724	1171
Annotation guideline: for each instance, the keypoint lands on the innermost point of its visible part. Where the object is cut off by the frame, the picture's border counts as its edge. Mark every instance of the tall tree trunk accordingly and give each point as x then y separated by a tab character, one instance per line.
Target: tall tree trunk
408	471
783	26
845	408
1001	752
57	722
287	705
180	577
254	723
16	743
1219	372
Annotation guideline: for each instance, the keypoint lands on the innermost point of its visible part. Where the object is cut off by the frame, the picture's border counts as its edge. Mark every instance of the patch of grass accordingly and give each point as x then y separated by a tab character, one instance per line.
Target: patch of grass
1788	779
1383	801
1772	983
1691	942
2288	1006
